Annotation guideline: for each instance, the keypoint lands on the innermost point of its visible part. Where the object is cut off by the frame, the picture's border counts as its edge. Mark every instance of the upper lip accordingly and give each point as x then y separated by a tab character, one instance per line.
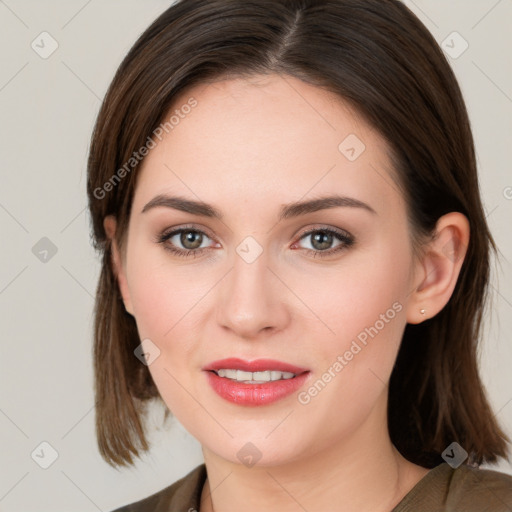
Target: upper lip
258	365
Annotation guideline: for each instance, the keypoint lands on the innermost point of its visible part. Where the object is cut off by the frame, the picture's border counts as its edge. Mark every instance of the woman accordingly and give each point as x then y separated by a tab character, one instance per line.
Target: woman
295	261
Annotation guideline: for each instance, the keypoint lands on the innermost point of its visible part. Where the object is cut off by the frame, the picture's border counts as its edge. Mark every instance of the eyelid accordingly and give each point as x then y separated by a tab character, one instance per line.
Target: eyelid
323	227
186	227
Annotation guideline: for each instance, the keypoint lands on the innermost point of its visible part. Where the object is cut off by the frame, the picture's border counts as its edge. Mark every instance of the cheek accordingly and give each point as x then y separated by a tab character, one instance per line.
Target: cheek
163	293
367	289
363	305
166	299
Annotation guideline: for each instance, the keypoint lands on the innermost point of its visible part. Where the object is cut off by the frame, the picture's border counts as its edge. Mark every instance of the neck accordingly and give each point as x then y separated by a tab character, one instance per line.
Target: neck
364	473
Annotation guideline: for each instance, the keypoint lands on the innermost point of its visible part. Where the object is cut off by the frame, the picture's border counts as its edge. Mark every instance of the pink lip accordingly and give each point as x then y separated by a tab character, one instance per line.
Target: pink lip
258	365
254	394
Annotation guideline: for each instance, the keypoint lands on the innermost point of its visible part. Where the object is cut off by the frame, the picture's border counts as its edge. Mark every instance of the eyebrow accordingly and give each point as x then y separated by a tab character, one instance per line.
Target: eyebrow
287	211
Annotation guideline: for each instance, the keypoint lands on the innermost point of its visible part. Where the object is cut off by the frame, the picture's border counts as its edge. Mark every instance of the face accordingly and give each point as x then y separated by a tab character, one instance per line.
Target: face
324	290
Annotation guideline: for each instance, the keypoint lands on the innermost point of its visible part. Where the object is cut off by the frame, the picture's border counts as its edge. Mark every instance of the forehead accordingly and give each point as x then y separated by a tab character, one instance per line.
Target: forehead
270	137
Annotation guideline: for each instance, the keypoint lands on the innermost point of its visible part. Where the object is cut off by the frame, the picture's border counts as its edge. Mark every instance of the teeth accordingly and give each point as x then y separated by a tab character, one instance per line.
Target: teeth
254	377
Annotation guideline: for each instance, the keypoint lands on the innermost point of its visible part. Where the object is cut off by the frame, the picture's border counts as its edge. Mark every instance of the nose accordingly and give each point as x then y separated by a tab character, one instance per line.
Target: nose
252	299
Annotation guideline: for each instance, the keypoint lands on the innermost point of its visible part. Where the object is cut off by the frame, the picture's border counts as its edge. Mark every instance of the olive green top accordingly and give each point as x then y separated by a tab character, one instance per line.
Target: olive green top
442	489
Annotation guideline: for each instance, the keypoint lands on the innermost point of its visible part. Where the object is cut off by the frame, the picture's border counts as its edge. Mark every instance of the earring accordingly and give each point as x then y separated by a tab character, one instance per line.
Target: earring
423	311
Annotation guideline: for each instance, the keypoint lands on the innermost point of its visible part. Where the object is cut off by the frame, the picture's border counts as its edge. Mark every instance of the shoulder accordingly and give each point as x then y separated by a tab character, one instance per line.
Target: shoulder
479	489
464	489
183	495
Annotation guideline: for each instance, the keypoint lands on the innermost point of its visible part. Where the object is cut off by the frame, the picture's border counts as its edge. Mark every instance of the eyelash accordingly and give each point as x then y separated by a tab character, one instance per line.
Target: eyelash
343	236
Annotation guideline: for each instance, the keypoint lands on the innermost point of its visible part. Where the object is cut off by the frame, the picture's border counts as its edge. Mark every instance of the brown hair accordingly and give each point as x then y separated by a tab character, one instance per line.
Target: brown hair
379	57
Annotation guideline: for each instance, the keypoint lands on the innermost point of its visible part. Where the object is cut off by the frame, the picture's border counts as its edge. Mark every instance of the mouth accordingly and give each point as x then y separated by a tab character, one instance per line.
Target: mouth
257	382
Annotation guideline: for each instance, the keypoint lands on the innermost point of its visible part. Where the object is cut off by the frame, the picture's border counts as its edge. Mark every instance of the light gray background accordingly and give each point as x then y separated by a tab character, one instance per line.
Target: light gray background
48	108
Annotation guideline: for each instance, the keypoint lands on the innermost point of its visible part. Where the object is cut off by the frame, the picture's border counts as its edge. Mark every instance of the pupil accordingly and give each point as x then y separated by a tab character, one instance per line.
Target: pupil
318	237
189	236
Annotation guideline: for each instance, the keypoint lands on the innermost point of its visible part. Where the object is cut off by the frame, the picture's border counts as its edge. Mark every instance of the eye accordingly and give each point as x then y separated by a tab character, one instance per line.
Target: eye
187	241
322	240
190	239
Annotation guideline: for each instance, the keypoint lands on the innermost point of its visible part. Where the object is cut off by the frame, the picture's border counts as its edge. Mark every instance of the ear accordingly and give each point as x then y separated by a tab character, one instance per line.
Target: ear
438	269
110	224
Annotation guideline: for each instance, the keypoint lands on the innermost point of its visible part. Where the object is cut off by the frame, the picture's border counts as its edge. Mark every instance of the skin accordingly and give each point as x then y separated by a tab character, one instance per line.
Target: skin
249	147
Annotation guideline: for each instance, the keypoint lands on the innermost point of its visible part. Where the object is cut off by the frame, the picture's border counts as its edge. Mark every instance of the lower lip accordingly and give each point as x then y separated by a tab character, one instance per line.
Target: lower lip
255	394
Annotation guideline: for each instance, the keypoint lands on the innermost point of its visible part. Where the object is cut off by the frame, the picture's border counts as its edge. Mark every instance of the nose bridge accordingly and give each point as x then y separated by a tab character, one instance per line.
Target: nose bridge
251	300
